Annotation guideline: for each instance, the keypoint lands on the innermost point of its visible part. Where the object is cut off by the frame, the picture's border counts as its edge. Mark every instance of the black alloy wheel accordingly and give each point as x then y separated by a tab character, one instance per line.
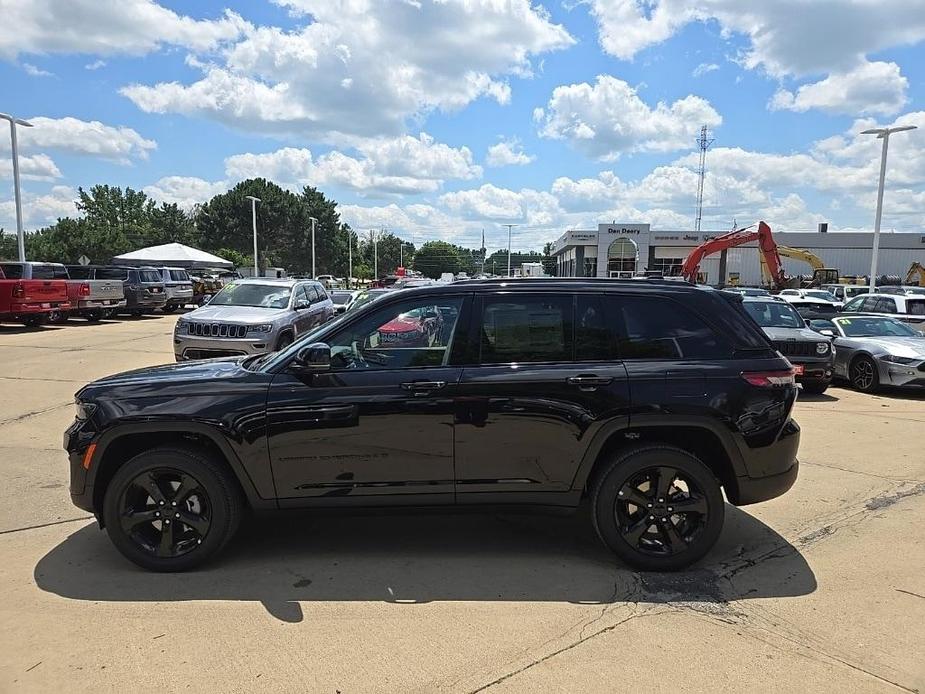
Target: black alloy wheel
171	508
863	374
165	512
658	508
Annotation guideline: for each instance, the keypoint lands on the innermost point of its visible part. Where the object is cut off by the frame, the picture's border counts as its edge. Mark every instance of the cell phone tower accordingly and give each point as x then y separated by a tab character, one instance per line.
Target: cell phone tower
704	141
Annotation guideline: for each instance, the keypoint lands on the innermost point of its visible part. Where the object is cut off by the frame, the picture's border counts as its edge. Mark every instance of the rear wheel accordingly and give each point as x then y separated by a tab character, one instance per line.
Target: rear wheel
57	316
863	374
34	321
816	386
171	508
93	316
169	308
658	508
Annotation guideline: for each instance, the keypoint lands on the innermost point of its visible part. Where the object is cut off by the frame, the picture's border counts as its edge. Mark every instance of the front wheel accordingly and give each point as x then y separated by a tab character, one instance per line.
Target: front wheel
284	341
864	375
171	508
169	308
658	508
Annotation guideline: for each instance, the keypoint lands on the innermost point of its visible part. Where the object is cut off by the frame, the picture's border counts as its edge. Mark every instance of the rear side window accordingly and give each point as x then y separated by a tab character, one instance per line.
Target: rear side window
915	307
111	273
592	334
151	276
886	305
79	272
12	271
526	328
656	328
179	276
869	303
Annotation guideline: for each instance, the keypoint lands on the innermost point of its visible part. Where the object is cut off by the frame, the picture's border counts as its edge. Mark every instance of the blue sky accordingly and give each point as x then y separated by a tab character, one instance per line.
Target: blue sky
436	119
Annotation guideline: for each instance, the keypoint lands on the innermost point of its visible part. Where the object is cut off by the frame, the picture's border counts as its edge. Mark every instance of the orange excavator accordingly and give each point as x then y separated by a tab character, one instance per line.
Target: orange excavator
766	246
769	255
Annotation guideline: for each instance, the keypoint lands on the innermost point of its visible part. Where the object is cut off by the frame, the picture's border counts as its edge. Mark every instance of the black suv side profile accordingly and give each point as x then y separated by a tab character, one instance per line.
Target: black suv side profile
647	398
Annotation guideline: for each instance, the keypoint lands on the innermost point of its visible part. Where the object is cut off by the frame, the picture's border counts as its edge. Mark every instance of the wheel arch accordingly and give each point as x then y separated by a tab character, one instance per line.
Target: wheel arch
119	445
700	437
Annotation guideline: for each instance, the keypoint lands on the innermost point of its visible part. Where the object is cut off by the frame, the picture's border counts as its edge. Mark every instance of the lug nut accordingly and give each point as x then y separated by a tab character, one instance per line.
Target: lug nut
173	503
619	493
664	519
649	505
651	517
661	501
176	515
160	503
670	509
167	522
157	514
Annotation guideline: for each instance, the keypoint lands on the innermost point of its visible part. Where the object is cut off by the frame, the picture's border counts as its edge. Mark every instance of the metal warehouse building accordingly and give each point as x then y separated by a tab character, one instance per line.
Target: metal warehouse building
623	250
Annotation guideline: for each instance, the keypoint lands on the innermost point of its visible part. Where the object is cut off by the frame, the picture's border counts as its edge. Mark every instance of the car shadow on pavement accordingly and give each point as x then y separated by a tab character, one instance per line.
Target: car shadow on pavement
817	397
285	562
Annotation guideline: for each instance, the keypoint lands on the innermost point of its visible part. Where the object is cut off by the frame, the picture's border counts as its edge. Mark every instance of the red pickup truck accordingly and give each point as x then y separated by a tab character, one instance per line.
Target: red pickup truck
30	301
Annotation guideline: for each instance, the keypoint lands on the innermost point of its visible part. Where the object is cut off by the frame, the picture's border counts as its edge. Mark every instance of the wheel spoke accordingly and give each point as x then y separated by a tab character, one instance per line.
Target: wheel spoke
131	519
198	523
633	496
673	536
150	483
165	548
663	481
694	504
187	486
634	532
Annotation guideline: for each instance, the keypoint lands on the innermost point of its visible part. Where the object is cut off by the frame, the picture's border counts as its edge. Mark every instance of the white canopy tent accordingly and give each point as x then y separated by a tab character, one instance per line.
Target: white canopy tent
173	254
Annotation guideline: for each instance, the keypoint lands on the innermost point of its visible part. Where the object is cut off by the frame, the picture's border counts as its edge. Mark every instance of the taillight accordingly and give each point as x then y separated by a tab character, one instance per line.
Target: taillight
770	379
84	290
19	291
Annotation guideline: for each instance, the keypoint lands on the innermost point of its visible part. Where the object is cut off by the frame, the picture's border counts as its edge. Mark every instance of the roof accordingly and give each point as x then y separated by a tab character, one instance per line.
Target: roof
172	254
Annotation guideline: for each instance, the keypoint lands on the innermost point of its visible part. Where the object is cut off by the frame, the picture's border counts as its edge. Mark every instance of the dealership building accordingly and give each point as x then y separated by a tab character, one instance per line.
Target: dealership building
624	250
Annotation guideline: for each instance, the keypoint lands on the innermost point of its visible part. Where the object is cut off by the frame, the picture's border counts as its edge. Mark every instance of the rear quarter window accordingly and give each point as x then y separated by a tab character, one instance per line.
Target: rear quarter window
915	307
43	272
660	328
12	271
111	273
150	276
179	276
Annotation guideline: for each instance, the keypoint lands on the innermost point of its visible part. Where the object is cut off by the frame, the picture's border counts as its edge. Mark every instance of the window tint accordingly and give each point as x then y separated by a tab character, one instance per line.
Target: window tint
111	273
592	336
150	276
12	271
312	292
322	293
410	334
886	305
663	329
854	304
79	272
179	276
43	272
915	307
869	304
60	272
526	328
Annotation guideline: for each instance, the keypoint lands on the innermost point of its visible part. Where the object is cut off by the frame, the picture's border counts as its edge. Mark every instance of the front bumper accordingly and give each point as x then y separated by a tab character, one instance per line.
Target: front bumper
904	375
186	347
814	368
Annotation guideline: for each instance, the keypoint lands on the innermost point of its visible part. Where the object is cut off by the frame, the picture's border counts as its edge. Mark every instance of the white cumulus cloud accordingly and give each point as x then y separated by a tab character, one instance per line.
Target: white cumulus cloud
508	153
869	88
116	143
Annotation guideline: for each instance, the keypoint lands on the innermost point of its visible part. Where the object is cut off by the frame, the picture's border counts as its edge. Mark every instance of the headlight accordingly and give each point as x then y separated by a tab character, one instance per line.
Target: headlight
85	410
899	360
822	348
265	328
180	325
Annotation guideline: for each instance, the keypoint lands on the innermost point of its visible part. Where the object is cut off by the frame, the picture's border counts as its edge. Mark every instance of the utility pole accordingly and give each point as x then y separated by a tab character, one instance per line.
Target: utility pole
20	234
704	142
254	202
883	134
509	231
314	221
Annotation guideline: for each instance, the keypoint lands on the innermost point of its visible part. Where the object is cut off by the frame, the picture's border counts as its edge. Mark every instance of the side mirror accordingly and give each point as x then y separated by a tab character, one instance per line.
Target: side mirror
808	322
828	332
301	304
314	357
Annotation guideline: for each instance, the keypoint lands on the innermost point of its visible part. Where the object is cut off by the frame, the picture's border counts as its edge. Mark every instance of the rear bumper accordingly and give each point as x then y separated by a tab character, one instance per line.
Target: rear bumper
89	304
31	308
772	469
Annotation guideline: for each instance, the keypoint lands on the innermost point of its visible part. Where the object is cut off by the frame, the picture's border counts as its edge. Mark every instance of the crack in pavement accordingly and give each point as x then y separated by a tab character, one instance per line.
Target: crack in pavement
45	525
21	417
858	472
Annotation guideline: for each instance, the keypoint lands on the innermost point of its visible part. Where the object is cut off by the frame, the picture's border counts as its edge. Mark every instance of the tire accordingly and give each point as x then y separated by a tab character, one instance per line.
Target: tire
93	316
215	502
863	374
135	314
284	341
34	321
816	386
57	317
168	308
672	541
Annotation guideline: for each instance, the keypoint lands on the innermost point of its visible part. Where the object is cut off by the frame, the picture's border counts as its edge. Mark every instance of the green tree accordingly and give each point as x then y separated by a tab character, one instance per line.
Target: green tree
169	223
68	239
436	257
238	258
111	208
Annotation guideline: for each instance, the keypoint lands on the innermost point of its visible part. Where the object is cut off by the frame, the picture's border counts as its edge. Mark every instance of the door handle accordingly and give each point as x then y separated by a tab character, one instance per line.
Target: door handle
422	387
589	382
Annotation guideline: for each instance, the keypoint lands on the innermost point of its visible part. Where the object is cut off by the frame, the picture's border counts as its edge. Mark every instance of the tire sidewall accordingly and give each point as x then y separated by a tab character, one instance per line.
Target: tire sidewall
223	520
629	464
876	381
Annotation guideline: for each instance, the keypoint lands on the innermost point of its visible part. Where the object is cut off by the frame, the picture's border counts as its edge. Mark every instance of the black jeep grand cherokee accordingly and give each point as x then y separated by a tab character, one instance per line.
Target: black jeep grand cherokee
648	397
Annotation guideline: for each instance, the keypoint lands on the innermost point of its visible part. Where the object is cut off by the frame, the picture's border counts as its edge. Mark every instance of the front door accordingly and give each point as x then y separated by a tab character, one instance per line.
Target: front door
545	382
377	427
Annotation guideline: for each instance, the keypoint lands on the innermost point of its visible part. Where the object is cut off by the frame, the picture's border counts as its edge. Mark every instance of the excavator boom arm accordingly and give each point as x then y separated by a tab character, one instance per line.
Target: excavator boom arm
766	246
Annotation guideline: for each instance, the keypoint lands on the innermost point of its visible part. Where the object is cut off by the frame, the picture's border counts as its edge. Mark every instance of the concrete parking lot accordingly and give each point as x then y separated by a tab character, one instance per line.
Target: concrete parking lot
821	590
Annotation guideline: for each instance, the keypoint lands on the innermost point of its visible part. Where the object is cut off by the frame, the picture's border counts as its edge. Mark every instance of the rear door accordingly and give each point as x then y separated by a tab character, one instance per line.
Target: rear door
542	378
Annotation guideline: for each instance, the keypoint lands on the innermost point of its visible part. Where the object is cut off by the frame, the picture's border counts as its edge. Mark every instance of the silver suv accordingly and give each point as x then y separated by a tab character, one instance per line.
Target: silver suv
251	316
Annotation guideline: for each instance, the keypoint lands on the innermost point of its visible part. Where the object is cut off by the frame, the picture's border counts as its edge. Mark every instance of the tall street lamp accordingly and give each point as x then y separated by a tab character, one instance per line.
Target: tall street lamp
314	222
20	234
509	228
349	258
883	134
254	202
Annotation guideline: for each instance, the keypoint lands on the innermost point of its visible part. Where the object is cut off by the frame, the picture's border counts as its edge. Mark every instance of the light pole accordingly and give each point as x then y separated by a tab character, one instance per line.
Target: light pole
349	258
883	134
314	221
375	240
20	234
509	228
254	202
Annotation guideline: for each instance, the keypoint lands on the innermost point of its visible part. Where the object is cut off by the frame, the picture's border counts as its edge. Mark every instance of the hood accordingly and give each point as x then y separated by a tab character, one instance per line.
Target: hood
799	334
401	325
202	370
235	314
913	347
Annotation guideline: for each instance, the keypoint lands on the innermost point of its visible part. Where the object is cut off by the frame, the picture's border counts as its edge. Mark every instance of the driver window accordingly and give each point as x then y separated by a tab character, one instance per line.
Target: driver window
413	333
301	296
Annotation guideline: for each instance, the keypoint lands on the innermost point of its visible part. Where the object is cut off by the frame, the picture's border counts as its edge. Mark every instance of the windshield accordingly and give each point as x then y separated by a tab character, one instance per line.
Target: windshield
261	295
340	297
871	326
819	294
773	314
